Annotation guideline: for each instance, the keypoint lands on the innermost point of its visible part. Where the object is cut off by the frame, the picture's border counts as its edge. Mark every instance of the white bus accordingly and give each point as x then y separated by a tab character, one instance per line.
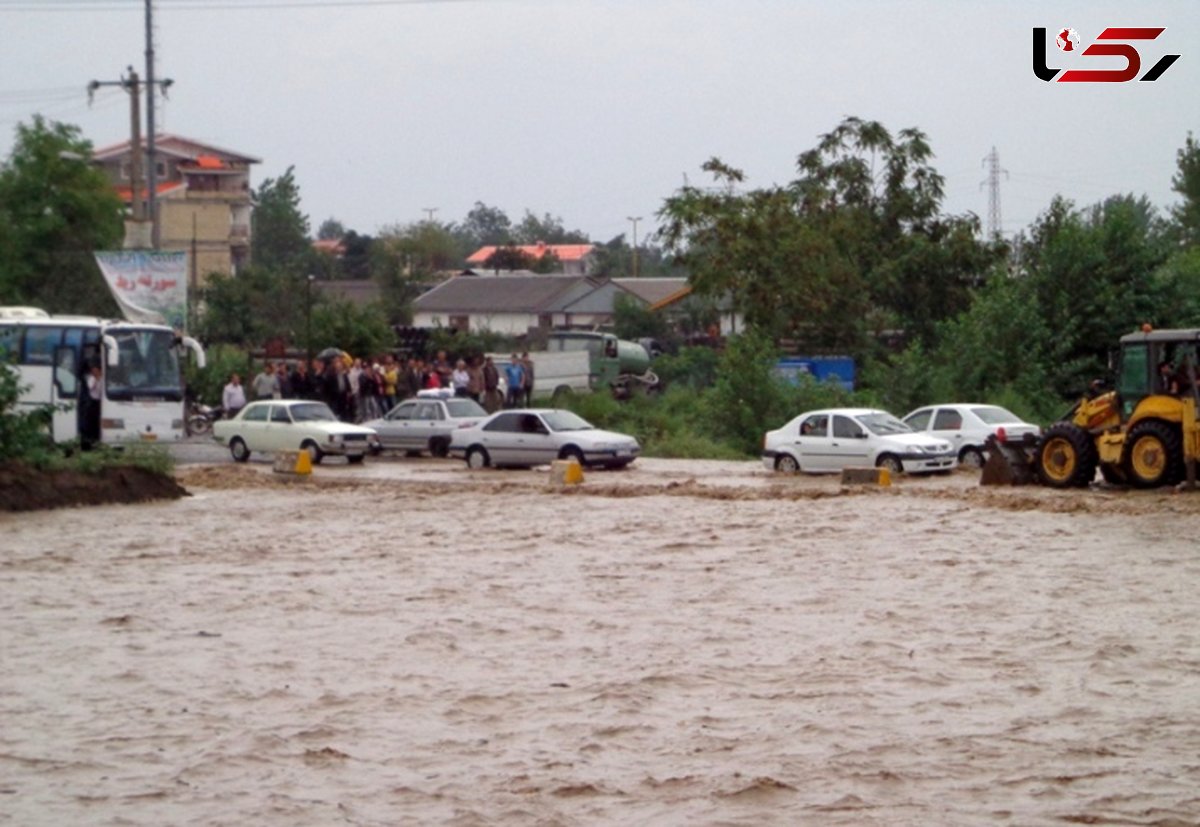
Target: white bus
141	383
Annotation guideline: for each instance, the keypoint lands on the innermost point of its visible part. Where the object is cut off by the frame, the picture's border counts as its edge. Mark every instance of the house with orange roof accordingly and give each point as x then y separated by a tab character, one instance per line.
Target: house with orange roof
576	259
203	197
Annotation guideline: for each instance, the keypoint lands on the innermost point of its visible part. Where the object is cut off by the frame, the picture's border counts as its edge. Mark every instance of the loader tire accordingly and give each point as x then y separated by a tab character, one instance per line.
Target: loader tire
1066	457
1153	455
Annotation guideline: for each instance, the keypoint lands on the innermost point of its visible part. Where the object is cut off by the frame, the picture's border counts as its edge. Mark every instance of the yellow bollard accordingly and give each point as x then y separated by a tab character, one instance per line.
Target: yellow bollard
565	472
303	463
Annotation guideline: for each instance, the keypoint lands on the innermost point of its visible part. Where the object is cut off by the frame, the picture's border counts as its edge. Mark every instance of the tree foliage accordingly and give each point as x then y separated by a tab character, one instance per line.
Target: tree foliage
280	240
56	210
1186	182
854	247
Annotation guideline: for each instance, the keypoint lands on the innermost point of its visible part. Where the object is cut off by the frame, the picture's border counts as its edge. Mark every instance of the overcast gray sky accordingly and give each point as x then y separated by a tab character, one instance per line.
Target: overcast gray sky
597	110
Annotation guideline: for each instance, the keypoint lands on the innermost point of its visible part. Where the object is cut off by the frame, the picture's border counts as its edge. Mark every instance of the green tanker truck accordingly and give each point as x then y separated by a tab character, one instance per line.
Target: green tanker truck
613	363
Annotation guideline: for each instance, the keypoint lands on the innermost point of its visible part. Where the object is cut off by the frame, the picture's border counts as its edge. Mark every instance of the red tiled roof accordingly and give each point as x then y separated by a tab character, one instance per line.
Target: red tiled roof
565	252
127	192
333	246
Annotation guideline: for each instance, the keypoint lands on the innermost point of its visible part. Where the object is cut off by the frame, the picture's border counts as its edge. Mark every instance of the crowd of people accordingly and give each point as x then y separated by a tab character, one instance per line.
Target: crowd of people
358	390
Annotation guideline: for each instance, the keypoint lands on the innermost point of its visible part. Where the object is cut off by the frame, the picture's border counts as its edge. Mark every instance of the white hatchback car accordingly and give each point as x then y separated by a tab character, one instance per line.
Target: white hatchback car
830	440
292	425
968	426
536	436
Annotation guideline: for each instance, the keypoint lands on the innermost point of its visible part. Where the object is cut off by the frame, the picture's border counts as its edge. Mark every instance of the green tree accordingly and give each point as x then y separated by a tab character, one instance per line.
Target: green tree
632	319
360	331
549	229
509	258
280	240
1092	276
331	230
1186	182
56	210
855	246
484	226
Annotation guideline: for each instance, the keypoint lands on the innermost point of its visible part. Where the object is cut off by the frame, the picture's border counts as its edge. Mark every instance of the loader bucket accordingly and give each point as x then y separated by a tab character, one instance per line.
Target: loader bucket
1009	463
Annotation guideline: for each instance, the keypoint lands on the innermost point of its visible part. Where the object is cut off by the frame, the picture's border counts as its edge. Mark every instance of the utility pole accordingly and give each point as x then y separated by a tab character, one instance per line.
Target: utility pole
635	220
429	211
151	159
135	236
992	162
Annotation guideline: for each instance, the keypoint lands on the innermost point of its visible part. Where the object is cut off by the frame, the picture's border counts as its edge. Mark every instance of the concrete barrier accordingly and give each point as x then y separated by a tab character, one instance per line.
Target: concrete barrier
292	463
866	476
565	472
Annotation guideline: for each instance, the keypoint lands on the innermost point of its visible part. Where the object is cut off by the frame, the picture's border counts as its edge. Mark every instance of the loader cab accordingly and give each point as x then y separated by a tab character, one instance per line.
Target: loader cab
1142	352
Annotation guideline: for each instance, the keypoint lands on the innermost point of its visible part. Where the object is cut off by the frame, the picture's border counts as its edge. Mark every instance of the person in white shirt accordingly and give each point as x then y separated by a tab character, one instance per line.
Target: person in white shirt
233	398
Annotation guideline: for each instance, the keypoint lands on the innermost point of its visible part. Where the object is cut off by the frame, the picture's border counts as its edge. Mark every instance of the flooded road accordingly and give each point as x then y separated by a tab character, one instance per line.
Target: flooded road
410	642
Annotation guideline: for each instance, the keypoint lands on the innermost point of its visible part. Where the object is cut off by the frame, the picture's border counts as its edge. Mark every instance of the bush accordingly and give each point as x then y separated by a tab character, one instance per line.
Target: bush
208	383
692	367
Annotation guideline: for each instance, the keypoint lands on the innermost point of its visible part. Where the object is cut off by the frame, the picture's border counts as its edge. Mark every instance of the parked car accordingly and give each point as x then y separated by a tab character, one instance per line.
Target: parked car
967	427
829	440
536	436
425	422
292	425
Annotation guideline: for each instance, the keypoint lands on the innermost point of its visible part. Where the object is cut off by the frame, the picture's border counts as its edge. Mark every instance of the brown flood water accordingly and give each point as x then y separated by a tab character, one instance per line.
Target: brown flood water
682	643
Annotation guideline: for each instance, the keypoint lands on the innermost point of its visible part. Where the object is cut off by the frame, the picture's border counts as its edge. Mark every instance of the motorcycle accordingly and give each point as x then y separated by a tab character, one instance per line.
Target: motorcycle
201	417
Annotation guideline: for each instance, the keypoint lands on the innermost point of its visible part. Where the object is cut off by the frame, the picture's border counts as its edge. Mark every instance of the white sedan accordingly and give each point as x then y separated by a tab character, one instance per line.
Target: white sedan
967	427
425	423
292	425
537	436
830	440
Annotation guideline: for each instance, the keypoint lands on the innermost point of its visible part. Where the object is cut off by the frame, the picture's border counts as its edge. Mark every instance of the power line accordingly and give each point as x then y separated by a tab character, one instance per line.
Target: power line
215	5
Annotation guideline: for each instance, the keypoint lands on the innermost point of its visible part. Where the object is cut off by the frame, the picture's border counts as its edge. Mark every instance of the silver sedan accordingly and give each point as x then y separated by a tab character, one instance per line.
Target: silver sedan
537	436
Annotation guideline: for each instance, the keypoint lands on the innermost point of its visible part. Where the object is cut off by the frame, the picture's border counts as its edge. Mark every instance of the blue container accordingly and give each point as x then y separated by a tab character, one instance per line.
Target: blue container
838	369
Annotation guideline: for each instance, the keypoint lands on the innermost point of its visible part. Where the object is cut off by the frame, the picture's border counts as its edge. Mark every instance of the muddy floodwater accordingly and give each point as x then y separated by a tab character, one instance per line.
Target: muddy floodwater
410	642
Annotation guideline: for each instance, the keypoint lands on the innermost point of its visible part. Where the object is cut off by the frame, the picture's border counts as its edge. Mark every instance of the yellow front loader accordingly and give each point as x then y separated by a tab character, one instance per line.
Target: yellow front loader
1144	432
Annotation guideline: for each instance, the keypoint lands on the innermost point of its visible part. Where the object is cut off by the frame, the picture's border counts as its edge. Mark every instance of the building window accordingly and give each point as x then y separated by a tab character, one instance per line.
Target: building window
160	169
460	323
125	169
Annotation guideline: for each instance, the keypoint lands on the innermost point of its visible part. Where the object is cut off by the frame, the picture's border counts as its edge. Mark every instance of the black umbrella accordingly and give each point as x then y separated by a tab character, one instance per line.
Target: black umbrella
330	353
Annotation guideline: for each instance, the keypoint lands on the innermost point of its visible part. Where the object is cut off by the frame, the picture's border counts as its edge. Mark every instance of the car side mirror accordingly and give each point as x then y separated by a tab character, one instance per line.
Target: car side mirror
860	435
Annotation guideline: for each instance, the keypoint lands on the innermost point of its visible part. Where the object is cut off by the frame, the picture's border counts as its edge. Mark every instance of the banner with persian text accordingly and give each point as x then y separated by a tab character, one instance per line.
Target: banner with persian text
149	286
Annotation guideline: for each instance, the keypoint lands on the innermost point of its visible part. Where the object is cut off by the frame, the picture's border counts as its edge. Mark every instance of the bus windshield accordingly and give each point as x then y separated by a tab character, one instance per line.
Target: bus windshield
147	368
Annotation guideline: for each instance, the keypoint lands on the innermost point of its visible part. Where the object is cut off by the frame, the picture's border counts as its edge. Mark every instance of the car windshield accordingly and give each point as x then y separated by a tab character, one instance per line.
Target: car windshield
313	412
993	415
883	424
565	421
464	408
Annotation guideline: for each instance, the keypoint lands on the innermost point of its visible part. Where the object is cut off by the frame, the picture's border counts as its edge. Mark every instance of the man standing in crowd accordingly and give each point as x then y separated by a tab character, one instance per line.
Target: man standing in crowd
266	385
514	373
527	379
233	397
491	386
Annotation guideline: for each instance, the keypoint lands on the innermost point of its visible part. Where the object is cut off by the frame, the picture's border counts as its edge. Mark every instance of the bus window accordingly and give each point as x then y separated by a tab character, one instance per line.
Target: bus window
66	373
10	342
40	344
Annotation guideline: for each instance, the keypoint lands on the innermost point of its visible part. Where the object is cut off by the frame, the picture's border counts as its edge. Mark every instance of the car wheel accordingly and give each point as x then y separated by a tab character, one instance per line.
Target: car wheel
571	452
315	454
786	464
477	458
238	449
439	446
356	459
891	463
971	457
